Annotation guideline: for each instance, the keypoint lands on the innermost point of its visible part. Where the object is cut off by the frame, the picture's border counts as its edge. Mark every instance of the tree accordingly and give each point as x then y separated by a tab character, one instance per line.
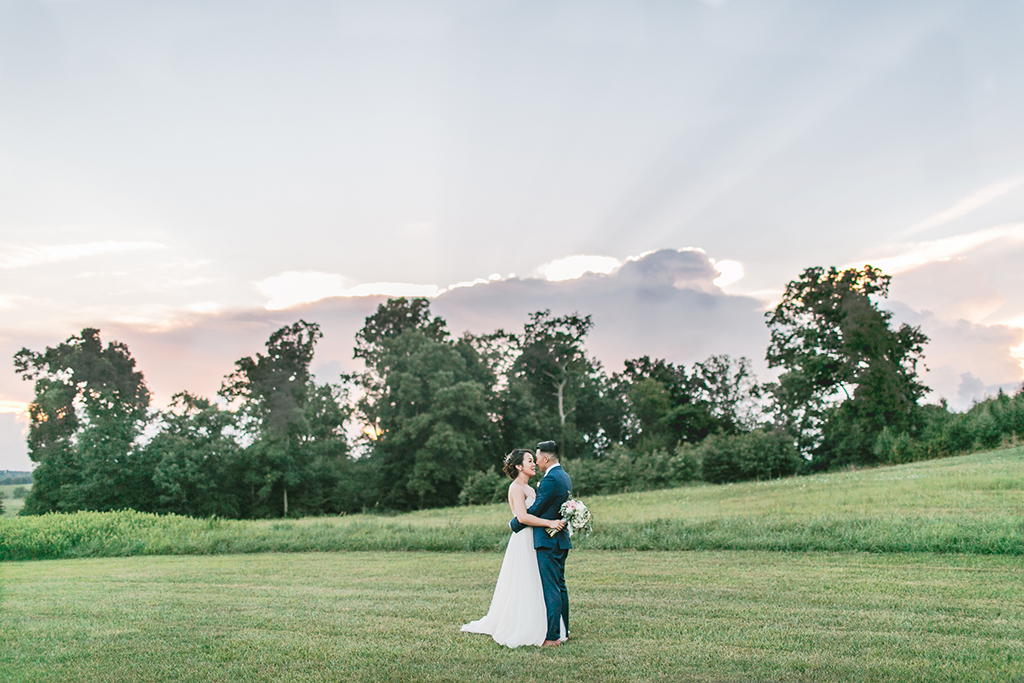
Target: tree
847	374
326	446
199	470
277	395
555	389
651	406
729	390
665	405
554	355
88	413
426	402
392	319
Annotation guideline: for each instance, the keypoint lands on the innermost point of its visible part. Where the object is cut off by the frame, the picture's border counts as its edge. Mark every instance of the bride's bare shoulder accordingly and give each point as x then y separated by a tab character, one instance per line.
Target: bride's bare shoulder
516	486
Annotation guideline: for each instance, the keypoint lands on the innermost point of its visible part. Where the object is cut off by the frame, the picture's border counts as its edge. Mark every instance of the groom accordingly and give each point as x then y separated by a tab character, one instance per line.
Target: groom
555	488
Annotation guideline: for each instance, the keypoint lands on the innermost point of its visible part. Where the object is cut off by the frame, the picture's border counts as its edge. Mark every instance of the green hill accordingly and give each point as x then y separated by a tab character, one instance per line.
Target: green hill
967	504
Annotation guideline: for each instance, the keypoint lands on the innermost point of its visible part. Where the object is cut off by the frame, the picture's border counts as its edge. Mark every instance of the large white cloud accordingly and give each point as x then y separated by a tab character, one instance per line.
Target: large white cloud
664	304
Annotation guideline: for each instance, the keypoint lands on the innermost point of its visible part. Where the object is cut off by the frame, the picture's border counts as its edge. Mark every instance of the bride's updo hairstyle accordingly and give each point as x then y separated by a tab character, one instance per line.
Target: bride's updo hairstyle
512	459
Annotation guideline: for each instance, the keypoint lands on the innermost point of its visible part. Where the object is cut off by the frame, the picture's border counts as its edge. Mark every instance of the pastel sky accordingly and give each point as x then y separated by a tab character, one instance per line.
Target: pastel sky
188	175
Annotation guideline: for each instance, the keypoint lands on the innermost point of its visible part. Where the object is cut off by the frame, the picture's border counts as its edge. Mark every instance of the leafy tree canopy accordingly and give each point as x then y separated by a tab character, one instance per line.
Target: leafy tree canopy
836	347
89	409
426	404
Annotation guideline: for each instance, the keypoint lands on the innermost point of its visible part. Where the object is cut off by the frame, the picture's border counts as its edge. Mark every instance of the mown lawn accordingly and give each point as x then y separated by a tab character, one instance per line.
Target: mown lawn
374	616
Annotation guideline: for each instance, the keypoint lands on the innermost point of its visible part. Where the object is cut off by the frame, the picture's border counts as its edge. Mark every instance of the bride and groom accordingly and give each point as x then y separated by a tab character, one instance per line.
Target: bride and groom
530	604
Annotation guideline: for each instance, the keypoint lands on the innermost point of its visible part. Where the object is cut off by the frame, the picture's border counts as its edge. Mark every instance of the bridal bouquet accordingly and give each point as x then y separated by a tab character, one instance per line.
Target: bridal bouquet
576	516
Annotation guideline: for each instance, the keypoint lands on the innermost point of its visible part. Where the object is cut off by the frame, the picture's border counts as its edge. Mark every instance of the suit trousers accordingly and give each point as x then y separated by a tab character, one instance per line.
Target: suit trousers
551	562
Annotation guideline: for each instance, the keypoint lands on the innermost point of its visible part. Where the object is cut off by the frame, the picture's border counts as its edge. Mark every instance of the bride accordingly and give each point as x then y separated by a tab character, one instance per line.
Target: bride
517	615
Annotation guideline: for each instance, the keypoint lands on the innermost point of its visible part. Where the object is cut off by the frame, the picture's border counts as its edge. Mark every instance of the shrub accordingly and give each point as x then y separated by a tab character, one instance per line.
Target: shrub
957	436
760	454
620	470
19	492
484	488
988	424
895	449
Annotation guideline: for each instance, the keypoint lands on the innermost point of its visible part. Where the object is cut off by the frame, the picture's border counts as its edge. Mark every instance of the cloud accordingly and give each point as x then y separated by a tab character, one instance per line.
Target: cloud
23	256
572	267
912	255
13	433
951	290
729	272
668	268
15	407
966	206
294	288
964	292
290	289
957	348
664	304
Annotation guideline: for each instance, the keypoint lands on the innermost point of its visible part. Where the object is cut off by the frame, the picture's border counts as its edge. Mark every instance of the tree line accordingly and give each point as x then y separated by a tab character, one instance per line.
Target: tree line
436	413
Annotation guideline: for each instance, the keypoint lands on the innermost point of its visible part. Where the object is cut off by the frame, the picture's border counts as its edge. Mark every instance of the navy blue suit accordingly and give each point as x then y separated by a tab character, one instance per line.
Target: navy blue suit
555	488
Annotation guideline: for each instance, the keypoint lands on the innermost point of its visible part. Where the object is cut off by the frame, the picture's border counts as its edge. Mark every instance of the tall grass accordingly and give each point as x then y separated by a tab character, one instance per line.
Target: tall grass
971	504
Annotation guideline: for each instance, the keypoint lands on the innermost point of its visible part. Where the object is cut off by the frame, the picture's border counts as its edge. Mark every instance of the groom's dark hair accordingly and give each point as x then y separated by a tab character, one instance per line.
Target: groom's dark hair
549	447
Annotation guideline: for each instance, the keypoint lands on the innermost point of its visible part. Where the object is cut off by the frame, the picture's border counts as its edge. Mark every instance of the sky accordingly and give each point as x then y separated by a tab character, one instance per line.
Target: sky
188	176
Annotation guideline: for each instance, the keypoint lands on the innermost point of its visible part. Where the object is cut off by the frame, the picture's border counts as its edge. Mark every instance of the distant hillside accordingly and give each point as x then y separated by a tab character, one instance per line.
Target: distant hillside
969	504
8	477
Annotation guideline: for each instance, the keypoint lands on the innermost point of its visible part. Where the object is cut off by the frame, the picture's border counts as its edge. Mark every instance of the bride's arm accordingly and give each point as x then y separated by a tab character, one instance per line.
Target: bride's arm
518	499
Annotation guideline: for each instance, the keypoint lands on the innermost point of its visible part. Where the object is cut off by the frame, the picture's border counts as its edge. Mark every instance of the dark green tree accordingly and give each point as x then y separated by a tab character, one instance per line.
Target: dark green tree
200	470
555	390
846	373
730	392
758	454
651	407
89	410
326	446
664	405
555	359
426	402
278	399
392	319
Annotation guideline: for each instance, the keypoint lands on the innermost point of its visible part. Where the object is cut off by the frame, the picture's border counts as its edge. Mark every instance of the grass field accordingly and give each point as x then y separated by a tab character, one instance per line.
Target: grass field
969	504
12	505
735	595
692	616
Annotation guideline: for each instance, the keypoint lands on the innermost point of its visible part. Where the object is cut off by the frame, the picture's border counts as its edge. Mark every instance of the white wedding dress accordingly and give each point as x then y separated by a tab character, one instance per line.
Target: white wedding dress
517	615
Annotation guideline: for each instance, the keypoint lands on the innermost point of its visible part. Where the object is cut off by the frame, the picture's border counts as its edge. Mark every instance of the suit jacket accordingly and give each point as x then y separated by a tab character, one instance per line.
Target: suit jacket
555	488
